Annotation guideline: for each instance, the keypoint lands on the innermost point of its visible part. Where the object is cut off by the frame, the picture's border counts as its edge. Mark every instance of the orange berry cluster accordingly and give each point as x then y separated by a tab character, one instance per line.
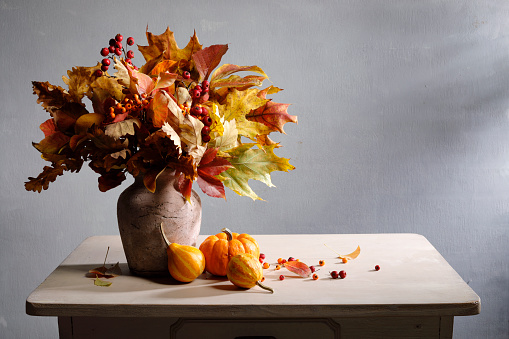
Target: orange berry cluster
132	104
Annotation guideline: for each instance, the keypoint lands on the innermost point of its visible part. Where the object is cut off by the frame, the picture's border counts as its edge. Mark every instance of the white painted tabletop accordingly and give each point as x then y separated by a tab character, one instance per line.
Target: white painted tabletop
414	280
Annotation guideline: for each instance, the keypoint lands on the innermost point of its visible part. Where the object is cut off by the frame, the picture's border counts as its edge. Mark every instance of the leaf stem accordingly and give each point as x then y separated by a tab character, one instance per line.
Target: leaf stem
106	255
332	250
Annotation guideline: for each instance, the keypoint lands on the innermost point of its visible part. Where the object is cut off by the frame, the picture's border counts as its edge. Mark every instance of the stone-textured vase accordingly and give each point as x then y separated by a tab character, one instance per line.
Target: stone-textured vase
140	214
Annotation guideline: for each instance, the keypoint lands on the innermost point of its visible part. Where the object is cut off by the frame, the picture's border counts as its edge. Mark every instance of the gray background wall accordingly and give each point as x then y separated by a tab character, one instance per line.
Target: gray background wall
403	127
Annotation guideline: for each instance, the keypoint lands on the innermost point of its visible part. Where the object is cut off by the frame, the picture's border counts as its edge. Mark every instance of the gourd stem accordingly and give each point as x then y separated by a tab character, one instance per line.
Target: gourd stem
164	235
229	235
265	287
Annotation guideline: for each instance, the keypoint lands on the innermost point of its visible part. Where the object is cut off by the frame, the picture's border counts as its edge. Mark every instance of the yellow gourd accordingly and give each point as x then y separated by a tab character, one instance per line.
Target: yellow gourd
245	271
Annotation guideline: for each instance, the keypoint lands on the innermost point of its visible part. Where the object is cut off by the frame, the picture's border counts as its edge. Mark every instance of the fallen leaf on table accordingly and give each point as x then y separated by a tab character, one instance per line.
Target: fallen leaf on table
99	282
349	256
105	272
299	268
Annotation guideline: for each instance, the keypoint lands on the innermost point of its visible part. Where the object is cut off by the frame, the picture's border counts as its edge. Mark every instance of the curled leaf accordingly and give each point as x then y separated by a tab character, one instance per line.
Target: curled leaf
299	268
349	256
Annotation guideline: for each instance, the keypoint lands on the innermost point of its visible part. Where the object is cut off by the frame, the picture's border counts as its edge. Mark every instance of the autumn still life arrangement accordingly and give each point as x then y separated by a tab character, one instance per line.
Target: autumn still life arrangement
180	111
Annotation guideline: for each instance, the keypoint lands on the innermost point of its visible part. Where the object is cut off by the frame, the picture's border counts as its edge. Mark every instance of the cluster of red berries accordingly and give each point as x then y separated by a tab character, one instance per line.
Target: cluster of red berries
115	48
200	94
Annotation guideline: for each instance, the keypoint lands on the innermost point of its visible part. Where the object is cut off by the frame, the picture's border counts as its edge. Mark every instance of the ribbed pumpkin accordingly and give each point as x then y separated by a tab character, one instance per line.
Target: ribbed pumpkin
220	248
245	271
185	263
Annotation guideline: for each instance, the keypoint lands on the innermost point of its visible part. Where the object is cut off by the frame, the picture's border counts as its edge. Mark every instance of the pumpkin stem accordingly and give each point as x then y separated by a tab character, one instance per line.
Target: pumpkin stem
164	235
229	235
265	287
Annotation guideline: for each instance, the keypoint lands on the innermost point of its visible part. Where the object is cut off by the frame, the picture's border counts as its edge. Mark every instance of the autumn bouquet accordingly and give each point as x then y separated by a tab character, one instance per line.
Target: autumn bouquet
178	111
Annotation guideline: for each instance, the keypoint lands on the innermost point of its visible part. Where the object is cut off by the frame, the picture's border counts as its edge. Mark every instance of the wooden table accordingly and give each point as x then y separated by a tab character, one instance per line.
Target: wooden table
415	294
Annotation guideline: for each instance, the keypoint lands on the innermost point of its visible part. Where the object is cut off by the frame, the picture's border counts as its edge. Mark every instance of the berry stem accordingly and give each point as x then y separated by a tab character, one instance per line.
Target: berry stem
265	287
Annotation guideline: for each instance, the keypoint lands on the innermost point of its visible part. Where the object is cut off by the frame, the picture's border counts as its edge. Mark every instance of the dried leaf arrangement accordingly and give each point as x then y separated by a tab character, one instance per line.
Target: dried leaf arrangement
179	111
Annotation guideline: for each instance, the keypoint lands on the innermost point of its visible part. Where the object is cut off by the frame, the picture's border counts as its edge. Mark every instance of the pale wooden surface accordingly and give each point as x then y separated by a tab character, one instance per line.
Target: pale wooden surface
414	280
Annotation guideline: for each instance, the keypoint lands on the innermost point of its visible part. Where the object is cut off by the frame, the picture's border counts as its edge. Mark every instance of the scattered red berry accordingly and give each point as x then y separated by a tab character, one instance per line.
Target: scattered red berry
261	260
377	268
315	276
344	260
334	274
262	256
342	274
281	277
278	267
119	37
312	268
130	41
266	265
321	262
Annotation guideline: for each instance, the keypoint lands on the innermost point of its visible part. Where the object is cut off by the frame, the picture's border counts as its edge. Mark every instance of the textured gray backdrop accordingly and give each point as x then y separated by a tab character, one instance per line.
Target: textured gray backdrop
403	127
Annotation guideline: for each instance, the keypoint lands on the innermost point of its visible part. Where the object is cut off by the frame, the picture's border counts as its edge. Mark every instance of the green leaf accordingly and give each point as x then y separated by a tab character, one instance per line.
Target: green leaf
252	163
99	282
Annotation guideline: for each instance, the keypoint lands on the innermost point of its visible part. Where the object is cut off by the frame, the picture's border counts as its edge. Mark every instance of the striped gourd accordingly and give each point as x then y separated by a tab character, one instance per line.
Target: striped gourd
185	263
245	271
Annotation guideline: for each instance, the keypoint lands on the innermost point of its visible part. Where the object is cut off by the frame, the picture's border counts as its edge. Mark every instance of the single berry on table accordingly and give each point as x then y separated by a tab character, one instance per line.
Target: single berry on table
315	276
312	268
342	274
334	274
321	262
266	265
345	260
280	260
278	267
281	277
377	268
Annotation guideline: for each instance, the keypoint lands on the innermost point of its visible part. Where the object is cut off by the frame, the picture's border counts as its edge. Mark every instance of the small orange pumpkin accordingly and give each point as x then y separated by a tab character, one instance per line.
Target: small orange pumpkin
245	271
220	248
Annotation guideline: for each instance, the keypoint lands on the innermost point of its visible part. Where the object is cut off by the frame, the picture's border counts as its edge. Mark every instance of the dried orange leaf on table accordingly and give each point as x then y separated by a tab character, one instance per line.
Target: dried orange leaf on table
299	268
349	256
99	282
105	272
